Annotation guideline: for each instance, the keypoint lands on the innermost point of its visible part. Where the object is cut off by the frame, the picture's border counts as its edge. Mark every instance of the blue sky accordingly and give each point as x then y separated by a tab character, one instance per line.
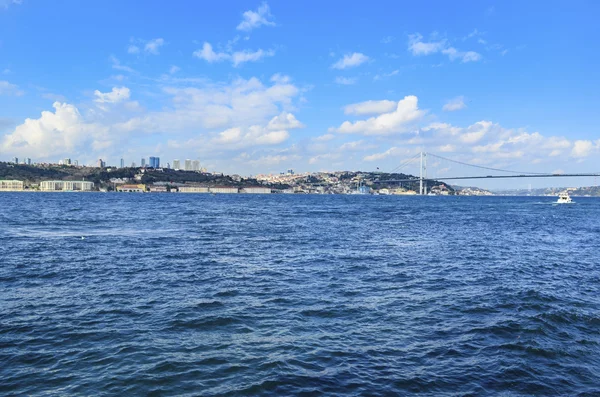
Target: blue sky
255	87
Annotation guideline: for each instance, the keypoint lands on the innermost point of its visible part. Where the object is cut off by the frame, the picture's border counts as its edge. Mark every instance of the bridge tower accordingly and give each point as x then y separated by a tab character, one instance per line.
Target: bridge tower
423	174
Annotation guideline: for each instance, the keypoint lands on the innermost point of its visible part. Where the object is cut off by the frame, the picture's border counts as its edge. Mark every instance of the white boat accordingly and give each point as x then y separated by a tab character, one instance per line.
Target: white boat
564	198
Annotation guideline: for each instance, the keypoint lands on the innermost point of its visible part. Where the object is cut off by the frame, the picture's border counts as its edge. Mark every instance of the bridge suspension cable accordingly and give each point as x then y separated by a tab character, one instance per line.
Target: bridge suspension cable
405	163
486	168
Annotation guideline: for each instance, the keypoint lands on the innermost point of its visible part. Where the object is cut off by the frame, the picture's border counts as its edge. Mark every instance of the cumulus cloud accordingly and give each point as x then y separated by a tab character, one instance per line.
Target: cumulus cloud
455	104
254	135
118	94
468	56
7	88
418	47
240	57
236	58
53	133
582	148
254	19
133	49
370	107
350	60
209	55
400	120
284	121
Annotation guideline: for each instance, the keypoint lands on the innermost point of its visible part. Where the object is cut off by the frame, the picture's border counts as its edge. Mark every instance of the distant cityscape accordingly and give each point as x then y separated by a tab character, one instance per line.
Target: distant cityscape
153	162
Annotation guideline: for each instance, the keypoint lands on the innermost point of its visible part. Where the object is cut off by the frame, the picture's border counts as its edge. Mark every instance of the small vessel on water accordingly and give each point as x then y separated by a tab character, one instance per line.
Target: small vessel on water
564	198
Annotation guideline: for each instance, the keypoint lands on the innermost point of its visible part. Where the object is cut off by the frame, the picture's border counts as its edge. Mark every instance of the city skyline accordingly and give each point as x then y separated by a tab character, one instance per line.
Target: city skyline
258	87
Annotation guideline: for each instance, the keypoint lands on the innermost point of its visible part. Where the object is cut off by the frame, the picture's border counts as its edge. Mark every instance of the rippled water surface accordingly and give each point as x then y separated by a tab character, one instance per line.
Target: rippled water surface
117	294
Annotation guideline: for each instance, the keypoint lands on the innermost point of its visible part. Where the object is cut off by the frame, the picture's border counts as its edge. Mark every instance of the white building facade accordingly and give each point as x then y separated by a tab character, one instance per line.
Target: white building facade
66	186
11	185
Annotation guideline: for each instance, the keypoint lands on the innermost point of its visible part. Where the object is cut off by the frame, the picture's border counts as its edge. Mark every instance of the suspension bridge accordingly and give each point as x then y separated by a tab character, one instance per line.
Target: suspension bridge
443	165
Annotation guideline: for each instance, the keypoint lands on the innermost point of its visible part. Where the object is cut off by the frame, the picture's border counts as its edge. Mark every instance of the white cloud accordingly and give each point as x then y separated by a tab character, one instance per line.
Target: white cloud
582	148
252	136
454	54
209	55
153	46
240	57
237	58
7	88
350	60
345	80
6	71
284	121
133	49
457	103
53	133
370	107
417	46
476	132
387	39
254	19
174	69
118	94
397	121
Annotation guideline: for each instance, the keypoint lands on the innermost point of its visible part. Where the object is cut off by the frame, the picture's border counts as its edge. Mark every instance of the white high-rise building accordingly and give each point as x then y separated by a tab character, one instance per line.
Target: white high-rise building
195	165
188	165
176	165
122	163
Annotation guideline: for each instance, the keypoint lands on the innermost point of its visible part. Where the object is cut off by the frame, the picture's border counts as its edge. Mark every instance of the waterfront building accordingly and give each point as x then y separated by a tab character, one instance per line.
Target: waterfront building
122	163
101	163
15	160
28	161
67	161
195	165
257	190
193	189
176	165
66	186
11	185
154	162
188	164
224	189
158	189
140	188
143	163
